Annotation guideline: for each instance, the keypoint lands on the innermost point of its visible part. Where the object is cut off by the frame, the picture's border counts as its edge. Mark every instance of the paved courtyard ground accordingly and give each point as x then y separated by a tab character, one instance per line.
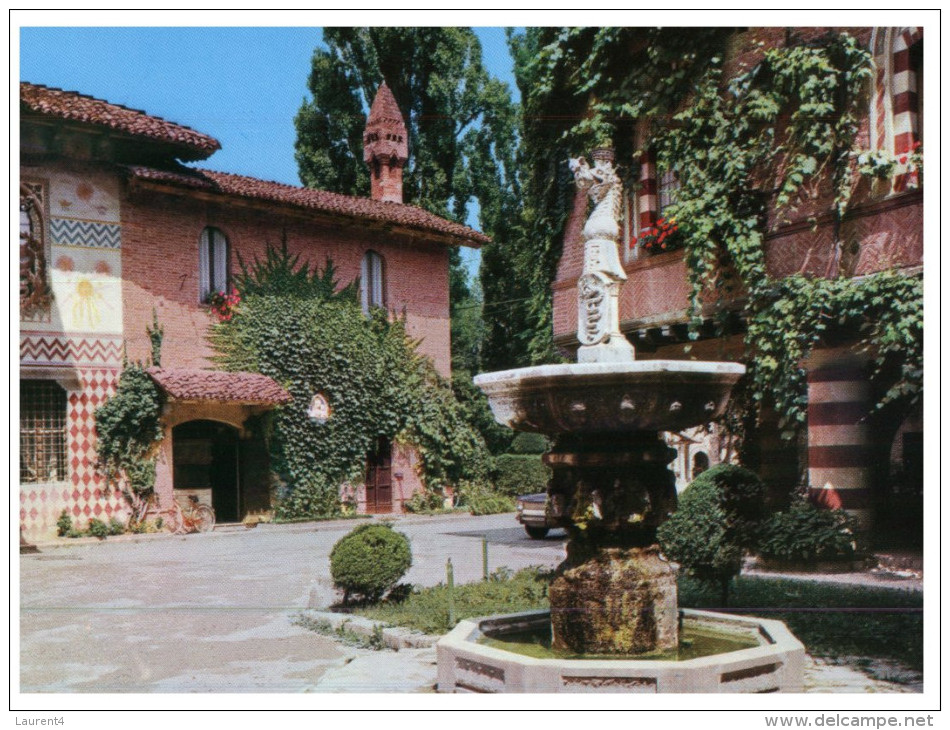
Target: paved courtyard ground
216	612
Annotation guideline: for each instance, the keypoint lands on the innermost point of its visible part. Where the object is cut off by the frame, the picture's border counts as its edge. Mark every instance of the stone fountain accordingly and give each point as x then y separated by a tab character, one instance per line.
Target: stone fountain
614	623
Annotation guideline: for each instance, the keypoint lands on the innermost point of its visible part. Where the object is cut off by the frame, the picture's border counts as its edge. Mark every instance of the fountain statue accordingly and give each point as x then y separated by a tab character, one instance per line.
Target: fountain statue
598	288
613	599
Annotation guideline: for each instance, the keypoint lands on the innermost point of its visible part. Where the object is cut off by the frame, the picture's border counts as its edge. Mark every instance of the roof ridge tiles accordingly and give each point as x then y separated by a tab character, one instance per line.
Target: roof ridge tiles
245	186
76	106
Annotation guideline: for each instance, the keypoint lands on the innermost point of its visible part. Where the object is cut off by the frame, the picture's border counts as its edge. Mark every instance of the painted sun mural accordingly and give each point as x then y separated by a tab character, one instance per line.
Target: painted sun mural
85	305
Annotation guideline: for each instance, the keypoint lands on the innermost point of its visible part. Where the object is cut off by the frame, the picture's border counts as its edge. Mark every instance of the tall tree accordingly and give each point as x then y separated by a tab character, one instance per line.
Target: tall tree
458	117
461	125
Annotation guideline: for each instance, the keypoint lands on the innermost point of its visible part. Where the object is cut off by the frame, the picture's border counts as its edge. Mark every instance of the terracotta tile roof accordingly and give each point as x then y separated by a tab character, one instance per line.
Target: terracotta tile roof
385	109
385	135
219	386
224	183
73	106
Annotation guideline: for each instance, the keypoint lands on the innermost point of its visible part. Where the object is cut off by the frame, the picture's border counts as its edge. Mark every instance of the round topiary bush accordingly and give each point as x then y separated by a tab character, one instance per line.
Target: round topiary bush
517	474
369	561
529	443
718	518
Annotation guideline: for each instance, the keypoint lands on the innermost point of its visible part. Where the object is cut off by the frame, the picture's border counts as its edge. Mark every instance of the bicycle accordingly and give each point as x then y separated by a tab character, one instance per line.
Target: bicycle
178	521
194	517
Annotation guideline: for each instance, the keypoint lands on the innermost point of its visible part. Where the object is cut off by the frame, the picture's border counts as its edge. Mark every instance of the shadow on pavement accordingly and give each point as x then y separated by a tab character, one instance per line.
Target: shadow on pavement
514	536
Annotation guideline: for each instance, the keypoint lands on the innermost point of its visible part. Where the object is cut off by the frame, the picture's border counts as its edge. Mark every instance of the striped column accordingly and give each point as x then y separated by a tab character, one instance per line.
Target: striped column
839	440
904	90
904	87
648	204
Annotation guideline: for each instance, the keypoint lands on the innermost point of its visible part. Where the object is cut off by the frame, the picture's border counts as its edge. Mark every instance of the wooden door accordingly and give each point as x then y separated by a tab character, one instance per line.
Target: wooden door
379	478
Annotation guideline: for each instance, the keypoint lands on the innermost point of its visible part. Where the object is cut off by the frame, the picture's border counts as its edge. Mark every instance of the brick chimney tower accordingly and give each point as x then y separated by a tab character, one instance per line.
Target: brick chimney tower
385	146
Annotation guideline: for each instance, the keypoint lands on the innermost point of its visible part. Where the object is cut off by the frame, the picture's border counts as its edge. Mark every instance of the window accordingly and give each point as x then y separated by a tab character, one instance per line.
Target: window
643	210
666	191
214	263
631	223
42	431
372	289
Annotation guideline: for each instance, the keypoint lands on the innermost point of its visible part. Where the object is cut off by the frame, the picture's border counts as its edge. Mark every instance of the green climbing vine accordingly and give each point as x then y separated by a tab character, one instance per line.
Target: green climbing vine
752	150
129	429
297	325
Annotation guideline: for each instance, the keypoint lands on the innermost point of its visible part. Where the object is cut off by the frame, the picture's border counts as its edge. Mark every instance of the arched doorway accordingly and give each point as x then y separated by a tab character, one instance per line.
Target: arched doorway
205	458
700	463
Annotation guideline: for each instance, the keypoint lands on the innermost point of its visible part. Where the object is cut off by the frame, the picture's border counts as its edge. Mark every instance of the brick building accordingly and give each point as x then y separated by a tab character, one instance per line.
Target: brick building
883	229
113	227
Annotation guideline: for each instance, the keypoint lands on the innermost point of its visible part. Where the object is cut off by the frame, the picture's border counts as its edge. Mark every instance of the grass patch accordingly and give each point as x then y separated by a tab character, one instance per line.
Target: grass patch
831	620
320	518
440	511
427	609
342	633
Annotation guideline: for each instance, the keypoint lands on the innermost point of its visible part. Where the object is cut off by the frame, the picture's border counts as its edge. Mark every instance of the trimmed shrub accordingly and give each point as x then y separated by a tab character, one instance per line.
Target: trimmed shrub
369	561
742	496
718	518
529	443
807	534
480	499
517	474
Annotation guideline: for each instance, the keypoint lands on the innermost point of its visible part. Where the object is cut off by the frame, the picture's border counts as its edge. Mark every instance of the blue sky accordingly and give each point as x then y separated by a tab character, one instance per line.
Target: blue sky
241	85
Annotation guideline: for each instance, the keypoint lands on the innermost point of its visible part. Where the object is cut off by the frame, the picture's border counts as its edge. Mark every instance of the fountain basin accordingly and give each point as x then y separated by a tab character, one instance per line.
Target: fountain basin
643	395
774	664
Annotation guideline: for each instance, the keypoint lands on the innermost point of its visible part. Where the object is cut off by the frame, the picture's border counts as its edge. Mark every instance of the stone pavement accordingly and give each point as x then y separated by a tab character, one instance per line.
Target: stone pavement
218	612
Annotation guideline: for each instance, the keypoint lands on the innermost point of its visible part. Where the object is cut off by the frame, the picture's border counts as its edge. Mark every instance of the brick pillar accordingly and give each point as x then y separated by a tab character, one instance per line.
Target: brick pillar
839	438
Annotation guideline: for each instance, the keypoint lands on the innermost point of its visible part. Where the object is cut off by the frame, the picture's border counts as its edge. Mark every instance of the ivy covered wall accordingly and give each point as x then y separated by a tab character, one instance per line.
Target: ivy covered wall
766	130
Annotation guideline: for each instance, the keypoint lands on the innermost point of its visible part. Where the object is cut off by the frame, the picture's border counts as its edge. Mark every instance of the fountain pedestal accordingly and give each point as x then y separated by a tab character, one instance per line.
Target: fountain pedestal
615	593
614	601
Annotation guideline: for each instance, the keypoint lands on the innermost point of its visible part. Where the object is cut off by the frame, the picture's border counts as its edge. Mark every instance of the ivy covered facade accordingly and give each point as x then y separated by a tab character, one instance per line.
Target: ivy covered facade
128	250
773	215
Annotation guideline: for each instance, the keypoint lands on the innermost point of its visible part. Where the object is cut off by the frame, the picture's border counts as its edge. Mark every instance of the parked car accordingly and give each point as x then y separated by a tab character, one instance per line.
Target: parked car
533	514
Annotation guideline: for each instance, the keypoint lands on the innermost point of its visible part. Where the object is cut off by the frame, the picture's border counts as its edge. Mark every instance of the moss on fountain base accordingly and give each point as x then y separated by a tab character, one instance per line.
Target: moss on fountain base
615	600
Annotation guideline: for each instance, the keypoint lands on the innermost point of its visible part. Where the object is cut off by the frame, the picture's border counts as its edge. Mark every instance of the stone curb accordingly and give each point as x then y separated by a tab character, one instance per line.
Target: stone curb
394	637
66	542
399	519
309	526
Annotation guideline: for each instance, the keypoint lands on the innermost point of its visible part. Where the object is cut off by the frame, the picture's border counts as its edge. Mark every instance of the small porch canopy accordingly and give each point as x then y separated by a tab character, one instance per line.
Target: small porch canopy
216	386
227	471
